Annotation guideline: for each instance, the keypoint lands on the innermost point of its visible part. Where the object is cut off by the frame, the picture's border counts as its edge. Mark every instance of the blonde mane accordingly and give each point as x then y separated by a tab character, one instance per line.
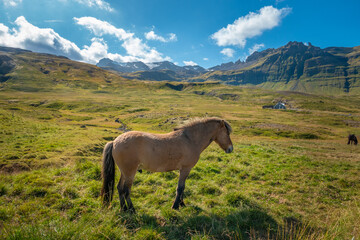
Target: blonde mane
196	121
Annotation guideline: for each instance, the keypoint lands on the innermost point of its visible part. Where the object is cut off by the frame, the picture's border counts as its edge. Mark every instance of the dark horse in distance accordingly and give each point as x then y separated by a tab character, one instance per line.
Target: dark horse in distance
352	139
177	150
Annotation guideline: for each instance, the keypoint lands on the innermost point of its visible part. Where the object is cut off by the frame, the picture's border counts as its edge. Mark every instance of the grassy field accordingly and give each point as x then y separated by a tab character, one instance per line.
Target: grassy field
291	175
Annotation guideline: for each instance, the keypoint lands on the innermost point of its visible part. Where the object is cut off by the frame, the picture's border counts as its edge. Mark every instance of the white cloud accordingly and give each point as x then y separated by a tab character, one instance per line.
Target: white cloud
46	40
228	52
249	26
172	37
205	59
11	3
97	3
190	63
135	48
153	36
255	48
101	28
96	51
30	37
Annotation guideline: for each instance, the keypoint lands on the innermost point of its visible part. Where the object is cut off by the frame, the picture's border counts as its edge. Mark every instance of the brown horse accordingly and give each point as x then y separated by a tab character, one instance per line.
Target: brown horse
177	150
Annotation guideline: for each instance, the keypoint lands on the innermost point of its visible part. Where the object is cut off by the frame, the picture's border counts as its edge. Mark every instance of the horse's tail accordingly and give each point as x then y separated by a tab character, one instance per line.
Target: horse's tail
108	174
355	140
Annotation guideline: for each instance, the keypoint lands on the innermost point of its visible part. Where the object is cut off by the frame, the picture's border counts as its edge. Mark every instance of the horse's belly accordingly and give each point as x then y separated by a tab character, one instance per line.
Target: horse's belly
161	162
157	165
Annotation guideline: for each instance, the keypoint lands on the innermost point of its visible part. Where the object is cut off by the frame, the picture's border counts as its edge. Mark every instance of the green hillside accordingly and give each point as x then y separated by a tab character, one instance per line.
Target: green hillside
291	175
298	67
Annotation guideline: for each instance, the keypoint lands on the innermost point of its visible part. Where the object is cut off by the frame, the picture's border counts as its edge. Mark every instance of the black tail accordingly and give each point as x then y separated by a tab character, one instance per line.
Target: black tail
108	174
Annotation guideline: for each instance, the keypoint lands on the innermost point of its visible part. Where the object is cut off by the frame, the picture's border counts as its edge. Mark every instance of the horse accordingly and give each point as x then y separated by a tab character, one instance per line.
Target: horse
177	150
352	139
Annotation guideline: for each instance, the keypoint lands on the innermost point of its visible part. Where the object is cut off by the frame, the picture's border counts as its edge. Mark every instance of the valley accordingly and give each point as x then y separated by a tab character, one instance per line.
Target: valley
291	175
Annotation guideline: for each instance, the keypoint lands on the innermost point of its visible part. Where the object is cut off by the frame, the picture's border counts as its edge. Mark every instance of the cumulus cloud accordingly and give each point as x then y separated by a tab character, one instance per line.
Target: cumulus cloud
46	40
11	3
100	28
228	52
96	51
135	48
249	26
153	36
97	3
190	63
30	37
205	59
256	47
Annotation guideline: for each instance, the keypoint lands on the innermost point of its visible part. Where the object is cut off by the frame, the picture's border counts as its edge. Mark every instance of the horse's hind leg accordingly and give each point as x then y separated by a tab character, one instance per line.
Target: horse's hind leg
180	189
121	191
127	189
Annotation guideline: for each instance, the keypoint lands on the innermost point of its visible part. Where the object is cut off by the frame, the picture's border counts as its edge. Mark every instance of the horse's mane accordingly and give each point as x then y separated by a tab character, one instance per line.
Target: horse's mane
196	121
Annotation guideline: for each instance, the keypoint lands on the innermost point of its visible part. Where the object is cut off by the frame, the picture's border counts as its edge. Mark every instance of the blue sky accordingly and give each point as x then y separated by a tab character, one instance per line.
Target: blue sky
200	32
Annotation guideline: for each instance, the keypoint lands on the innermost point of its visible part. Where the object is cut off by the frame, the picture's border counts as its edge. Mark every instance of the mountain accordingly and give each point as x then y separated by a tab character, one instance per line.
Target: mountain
28	71
109	64
156	71
295	67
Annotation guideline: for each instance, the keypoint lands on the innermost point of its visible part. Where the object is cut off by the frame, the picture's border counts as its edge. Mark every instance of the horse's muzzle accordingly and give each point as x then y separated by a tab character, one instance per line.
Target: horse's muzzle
229	149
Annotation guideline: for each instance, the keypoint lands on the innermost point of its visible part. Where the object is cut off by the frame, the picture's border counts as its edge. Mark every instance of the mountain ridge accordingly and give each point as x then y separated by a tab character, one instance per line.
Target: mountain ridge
293	67
297	67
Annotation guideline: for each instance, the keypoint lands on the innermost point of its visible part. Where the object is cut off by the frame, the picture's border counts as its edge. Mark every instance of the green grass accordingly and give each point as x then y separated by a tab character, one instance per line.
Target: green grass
291	176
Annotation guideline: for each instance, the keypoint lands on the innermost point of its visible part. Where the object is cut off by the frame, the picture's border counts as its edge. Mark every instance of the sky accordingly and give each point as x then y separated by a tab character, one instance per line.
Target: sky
196	32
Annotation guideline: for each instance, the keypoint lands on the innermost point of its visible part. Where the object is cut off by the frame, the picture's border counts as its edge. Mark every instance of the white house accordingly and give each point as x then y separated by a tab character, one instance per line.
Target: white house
280	105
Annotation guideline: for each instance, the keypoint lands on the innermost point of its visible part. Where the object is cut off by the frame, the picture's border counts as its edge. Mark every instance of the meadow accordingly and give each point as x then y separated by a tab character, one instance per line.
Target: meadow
291	175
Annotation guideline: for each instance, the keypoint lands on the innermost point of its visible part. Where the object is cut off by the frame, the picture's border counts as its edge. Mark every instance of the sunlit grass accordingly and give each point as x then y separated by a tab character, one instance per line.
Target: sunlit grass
291	176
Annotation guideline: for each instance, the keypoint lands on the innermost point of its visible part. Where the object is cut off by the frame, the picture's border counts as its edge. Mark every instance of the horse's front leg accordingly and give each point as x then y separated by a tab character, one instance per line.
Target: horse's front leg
180	189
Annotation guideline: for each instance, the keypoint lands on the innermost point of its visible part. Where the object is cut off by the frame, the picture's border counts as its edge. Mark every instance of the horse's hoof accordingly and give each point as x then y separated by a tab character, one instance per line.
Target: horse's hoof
175	207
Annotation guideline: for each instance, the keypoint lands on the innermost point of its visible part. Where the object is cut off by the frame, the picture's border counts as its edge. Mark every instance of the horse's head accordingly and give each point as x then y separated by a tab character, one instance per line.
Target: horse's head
222	137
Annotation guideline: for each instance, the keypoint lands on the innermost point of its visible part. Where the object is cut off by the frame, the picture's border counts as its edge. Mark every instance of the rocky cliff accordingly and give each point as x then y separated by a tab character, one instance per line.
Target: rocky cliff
298	67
